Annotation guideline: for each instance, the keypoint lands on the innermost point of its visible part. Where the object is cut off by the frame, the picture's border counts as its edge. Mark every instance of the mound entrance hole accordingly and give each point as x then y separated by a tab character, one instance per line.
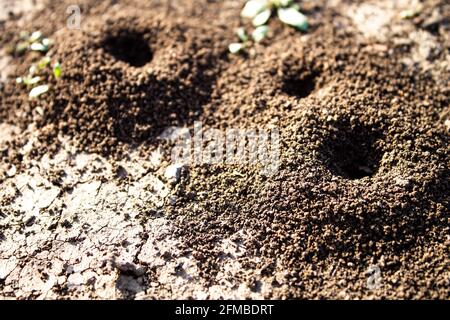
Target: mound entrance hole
129	46
352	153
299	86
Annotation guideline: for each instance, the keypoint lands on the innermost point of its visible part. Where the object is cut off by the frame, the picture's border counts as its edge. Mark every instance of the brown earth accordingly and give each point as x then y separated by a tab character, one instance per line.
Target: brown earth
364	123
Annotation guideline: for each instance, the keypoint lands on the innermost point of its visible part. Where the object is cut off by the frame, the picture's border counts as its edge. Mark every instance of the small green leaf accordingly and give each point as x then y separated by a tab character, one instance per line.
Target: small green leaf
35	36
260	33
235	47
57	70
39	90
21	47
24	35
47	42
286	3
33	69
242	34
291	16
253	7
29	81
37	46
43	63
262	18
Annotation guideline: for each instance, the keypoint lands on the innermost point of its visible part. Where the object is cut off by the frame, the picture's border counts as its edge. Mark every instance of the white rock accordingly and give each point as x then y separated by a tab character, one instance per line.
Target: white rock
7	266
11	171
173	172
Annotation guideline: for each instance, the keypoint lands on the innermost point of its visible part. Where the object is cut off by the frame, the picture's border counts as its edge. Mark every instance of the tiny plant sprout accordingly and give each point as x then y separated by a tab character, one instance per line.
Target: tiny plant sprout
24	35
242	34
262	18
21	47
236	47
39	90
35	36
260	11
30	81
260	33
33	42
43	63
57	70
293	17
47	42
33	69
37	46
253	7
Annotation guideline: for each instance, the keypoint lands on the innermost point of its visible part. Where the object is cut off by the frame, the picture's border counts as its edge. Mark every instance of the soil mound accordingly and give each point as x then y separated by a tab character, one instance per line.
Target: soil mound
125	80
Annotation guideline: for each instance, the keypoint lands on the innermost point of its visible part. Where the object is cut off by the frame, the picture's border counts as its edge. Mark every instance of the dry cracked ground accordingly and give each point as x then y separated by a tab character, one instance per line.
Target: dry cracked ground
90	234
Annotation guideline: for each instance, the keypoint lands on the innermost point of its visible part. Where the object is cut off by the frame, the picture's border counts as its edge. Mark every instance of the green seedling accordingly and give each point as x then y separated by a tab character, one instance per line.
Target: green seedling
242	34
38	91
33	42
260	12
260	33
30	81
57	70
262	18
236	47
44	63
293	17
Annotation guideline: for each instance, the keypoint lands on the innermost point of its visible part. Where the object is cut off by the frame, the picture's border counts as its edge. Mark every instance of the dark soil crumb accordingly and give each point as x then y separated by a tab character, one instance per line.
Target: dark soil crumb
365	155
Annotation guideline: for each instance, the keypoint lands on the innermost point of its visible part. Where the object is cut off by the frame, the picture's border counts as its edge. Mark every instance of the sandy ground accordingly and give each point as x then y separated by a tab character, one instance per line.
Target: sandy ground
86	236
